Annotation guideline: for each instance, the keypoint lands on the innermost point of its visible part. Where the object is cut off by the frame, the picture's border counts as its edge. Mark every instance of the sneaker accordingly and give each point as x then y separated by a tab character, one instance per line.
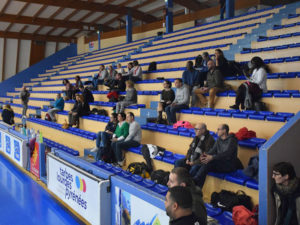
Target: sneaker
234	107
94	149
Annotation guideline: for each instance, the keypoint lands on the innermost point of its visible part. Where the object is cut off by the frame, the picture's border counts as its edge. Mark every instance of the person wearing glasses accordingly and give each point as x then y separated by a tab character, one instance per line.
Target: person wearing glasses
201	143
286	192
221	158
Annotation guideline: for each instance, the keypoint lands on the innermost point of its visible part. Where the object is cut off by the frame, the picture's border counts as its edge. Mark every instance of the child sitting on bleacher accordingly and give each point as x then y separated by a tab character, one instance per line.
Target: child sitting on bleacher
251	91
130	98
137	72
99	78
69	91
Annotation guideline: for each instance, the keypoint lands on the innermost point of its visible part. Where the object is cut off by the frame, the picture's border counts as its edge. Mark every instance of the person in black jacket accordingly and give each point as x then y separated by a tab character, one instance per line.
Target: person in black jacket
222	63
87	94
221	158
178	206
8	115
201	143
166	98
80	108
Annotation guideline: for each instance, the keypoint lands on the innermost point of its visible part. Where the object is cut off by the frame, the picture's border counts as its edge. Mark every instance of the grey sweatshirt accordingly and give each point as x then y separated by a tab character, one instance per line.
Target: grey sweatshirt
131	95
182	96
135	132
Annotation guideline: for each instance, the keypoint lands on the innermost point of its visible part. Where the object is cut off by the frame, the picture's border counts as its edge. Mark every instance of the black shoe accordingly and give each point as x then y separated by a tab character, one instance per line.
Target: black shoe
234	107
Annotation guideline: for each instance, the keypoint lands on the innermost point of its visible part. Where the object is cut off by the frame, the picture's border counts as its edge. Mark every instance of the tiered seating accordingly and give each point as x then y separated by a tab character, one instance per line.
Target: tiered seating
171	53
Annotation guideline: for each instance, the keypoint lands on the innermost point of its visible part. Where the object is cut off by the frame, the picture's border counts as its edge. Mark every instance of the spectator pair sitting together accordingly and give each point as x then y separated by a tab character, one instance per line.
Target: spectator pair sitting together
206	155
121	133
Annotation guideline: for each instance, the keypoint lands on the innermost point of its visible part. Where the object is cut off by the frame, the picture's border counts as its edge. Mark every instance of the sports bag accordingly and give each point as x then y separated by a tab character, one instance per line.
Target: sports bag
152	66
139	168
243	216
160	177
226	200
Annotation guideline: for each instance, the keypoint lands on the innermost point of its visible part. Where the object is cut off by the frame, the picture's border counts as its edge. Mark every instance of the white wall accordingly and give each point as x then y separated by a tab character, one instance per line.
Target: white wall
24	54
50	48
10	68
10	57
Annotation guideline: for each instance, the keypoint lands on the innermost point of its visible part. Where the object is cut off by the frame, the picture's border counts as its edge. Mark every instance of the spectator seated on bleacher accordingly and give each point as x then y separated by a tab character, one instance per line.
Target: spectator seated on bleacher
180	177
100	77
87	94
111	76
201	66
121	132
251	91
78	83
201	143
58	106
8	115
132	140
286	191
222	63
221	158
130	98
120	69
179	205
103	140
129	71
181	101
137	72
166	98
80	108
117	86
191	78
24	96
69	90
213	85
206	58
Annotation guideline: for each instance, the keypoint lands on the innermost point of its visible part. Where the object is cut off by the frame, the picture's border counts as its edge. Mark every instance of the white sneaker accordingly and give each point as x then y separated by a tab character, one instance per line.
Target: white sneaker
121	163
94	149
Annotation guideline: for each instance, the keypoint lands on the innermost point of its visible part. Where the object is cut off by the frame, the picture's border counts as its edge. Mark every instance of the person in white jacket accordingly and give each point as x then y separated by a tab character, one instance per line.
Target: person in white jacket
137	72
255	85
132	140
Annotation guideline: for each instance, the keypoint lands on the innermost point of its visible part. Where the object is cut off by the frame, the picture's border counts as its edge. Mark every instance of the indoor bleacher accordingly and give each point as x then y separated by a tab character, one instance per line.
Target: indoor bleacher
273	38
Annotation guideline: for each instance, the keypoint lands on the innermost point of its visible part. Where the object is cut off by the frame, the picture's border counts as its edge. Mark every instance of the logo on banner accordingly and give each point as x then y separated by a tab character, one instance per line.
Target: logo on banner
91	46
17	150
80	184
73	191
34	160
8	147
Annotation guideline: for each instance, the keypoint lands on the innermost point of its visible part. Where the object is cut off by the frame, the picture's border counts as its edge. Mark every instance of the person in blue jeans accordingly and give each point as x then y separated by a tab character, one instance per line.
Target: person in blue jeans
132	140
182	98
222	8
201	143
104	137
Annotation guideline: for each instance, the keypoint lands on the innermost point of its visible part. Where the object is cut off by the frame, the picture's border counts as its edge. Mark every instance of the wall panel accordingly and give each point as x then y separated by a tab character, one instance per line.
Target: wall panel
50	48
11	56
24	54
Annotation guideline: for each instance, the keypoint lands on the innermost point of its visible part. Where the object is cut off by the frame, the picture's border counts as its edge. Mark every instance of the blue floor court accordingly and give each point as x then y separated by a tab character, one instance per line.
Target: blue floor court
23	201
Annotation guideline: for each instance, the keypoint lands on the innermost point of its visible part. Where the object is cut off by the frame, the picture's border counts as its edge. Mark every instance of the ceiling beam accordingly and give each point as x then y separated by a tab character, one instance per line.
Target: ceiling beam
36	37
47	22
5	7
96	7
191	4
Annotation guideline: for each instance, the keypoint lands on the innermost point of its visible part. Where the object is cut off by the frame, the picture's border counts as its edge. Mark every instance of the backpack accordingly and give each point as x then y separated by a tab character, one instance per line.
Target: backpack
102	112
152	66
139	168
160	177
226	200
242	216
47	117
260	106
184	124
235	68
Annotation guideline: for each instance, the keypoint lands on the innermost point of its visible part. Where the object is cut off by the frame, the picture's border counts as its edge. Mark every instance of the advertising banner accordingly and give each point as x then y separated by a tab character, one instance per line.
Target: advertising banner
34	160
79	191
1	140
131	210
91	46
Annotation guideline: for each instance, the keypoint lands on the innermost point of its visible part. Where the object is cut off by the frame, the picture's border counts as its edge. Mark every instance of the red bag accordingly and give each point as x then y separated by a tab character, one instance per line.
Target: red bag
47	117
242	216
244	133
112	94
184	124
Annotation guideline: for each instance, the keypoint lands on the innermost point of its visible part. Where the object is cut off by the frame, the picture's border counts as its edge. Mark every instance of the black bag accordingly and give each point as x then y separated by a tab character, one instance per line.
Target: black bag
160	177
139	168
226	200
102	112
152	66
235	68
260	106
